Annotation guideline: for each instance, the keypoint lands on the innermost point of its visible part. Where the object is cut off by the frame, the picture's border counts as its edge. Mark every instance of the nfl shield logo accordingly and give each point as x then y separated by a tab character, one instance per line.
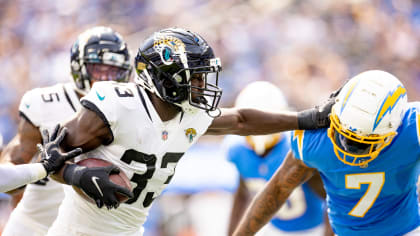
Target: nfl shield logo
164	135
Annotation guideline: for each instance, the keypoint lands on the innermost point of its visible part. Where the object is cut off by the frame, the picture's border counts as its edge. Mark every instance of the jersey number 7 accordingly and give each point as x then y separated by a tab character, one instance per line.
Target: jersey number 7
375	181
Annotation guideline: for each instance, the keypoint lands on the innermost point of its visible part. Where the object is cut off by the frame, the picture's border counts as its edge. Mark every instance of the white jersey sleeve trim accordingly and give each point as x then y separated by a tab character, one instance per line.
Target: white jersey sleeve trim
13	177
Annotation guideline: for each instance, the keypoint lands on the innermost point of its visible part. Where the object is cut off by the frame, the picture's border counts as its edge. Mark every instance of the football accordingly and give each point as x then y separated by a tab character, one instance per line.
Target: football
120	179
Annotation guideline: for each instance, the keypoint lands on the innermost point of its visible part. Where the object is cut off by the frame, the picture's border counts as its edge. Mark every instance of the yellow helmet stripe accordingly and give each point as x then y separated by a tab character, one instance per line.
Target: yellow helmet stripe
389	103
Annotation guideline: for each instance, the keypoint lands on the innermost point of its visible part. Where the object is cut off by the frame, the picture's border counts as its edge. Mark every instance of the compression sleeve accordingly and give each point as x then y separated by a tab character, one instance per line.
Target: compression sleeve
15	176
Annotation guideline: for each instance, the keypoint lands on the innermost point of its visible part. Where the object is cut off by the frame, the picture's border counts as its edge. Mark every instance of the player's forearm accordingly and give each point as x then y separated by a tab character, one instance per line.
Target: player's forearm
327	226
16	176
261	210
290	174
258	122
252	122
240	203
18	153
316	184
58	176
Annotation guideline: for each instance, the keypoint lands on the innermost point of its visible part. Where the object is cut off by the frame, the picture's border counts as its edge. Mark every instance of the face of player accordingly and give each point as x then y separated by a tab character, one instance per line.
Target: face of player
198	81
102	72
351	146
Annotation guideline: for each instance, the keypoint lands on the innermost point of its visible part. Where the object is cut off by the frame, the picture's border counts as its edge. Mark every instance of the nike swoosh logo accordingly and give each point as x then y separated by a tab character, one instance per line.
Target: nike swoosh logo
94	178
101	98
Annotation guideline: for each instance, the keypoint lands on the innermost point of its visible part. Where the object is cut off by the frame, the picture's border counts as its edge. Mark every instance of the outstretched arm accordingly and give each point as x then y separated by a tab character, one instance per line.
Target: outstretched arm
22	148
290	174
248	121
19	175
252	122
256	122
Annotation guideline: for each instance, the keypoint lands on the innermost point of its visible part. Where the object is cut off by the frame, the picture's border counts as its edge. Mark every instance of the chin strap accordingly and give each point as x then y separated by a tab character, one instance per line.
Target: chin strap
187	108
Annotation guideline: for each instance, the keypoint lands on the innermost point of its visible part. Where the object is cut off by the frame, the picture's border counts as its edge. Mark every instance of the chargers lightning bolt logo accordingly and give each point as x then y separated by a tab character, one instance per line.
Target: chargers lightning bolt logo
298	134
348	94
390	100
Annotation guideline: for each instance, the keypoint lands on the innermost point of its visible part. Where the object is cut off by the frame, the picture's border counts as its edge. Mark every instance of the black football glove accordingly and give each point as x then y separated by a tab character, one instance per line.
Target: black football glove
95	182
51	157
319	116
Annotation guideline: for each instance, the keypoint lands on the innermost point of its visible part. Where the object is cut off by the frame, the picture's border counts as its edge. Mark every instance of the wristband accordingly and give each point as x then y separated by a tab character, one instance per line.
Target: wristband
72	174
306	119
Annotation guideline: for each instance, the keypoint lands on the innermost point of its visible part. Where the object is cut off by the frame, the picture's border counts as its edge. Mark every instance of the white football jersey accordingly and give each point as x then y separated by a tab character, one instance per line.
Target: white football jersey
143	147
44	108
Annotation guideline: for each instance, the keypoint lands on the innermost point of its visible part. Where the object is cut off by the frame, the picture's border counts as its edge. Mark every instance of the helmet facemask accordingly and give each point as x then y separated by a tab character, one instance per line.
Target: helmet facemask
204	94
354	149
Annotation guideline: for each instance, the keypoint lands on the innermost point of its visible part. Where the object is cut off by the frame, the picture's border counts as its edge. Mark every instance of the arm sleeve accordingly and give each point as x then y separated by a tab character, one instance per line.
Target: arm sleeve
15	176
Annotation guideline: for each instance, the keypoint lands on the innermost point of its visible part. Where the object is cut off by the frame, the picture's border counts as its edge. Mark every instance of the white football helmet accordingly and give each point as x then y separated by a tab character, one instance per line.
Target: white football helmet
366	116
264	96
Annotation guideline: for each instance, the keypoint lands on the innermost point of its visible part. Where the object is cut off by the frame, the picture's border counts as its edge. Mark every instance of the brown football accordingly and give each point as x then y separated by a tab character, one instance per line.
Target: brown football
120	179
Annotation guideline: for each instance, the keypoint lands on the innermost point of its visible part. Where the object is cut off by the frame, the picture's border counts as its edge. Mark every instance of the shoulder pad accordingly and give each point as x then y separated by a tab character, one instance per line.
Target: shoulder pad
36	104
112	99
308	145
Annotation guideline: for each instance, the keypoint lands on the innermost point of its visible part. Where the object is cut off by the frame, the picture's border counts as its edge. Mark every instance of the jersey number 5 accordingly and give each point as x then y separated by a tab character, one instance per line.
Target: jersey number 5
375	181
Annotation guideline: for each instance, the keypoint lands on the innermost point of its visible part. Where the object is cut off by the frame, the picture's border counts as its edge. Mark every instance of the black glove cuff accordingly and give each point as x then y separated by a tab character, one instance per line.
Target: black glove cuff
306	119
72	174
46	167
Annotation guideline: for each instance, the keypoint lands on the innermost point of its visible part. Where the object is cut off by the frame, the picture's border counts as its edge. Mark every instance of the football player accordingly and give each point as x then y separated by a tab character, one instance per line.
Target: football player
99	54
367	160
257	158
145	127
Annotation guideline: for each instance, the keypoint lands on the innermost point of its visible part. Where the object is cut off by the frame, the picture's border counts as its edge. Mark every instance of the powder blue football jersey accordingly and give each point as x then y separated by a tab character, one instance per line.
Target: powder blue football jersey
380	199
303	210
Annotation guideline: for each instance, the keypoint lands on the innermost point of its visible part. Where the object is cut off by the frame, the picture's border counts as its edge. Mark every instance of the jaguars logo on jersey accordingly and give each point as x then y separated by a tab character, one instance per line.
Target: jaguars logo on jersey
190	133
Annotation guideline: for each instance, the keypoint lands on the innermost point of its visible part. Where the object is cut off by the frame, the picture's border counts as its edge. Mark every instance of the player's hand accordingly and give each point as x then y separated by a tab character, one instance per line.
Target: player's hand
319	116
95	182
51	157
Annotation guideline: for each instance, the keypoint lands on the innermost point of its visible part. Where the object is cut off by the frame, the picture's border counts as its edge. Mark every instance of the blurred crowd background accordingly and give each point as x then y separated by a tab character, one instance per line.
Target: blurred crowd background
306	47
